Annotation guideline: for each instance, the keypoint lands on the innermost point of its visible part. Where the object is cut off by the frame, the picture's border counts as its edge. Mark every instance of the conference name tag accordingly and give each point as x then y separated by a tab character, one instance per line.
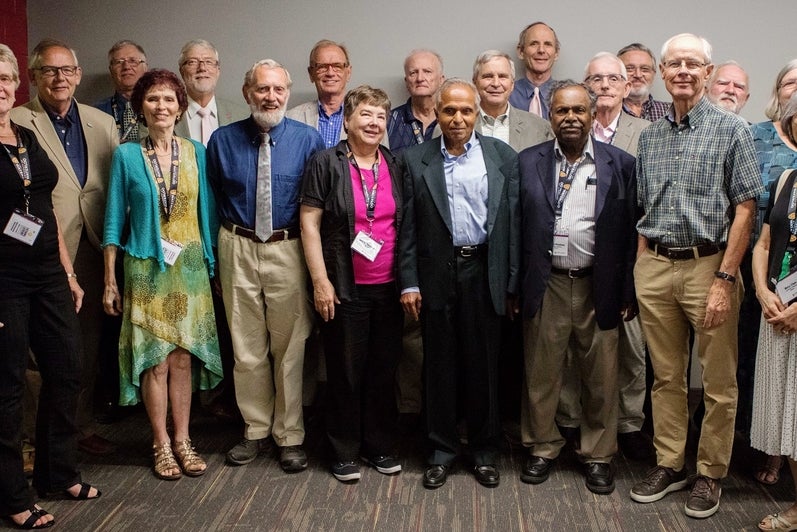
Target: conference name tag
560	245
366	246
171	250
786	288
23	227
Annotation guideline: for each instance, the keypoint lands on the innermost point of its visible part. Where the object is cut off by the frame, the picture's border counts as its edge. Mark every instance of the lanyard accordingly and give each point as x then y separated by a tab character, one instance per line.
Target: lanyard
21	163
167	200
567	173
120	121
370	196
417	130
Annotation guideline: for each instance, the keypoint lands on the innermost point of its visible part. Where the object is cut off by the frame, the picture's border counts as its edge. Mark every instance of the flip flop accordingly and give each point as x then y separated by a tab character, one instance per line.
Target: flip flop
770	470
775	522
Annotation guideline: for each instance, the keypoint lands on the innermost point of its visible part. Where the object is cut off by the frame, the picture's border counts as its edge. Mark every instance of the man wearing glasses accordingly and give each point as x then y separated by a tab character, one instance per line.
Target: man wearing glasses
126	62
698	179
641	67
200	69
330	71
80	140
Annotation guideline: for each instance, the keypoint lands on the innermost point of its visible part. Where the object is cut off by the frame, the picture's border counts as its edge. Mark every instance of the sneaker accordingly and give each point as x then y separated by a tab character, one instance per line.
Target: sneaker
387	465
346	471
659	482
246	451
704	499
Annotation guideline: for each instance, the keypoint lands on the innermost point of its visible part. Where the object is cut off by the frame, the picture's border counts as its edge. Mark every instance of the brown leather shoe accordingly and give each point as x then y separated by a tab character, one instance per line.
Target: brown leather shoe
96	445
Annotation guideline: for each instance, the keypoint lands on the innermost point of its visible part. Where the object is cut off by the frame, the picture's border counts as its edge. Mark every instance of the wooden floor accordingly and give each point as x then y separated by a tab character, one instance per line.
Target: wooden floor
259	496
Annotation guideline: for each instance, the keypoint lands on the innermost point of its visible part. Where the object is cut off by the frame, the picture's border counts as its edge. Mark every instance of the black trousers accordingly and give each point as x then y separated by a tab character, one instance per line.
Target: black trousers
461	342
45	322
362	346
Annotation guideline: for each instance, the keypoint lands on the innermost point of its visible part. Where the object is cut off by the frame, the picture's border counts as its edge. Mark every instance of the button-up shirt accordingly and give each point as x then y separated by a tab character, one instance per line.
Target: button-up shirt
404	130
524	91
691	174
605	134
329	126
466	186
194	121
497	127
70	133
652	109
232	169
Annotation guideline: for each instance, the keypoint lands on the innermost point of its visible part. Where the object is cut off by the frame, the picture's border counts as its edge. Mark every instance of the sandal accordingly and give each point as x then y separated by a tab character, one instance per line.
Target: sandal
83	494
30	522
775	522
190	462
165	462
769	473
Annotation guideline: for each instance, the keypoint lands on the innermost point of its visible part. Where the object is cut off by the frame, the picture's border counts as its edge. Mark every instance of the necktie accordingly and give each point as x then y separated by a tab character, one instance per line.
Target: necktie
535	105
129	121
263	228
207	125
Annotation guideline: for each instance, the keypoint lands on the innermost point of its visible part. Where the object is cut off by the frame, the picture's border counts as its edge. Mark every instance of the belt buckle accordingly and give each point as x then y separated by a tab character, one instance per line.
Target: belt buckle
571	273
467	251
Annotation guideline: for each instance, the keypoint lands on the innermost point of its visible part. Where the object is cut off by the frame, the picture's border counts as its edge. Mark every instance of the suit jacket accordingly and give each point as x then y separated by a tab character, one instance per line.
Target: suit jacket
227	111
426	251
76	207
525	129
615	234
626	137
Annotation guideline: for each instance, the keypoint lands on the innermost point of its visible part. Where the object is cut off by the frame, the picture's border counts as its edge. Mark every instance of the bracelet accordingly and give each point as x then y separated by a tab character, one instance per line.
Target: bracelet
725	276
71	276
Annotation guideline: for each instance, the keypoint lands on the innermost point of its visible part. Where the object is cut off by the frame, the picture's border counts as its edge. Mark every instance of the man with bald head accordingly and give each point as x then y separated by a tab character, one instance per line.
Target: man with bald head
538	48
729	87
698	179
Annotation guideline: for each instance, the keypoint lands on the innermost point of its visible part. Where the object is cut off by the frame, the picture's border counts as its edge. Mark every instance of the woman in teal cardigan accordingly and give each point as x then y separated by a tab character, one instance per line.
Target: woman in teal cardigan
168	345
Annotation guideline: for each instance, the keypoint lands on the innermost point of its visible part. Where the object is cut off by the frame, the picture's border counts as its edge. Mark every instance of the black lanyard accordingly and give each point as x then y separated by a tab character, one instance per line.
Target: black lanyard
417	130
370	196
567	173
167	200
120	121
21	163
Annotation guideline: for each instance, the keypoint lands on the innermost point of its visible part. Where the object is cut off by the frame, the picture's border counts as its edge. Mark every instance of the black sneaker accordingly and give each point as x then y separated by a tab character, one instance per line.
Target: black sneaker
346	471
387	465
659	482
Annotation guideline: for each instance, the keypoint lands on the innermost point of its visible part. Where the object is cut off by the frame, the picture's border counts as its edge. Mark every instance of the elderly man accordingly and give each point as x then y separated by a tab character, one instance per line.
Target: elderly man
329	71
200	69
80	140
728	86
640	63
414	122
494	77
538	48
698	179
126	62
578	215
255	167
458	258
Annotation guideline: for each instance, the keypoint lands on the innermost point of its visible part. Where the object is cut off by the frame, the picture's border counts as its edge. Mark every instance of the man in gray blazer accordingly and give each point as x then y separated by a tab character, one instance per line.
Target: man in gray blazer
200	69
80	140
494	77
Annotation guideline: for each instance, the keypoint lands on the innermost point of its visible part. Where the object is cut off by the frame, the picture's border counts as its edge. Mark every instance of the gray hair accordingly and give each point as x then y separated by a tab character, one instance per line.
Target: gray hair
121	44
249	77
35	60
566	84
421	51
665	49
787	117
773	110
191	44
637	47
325	43
606	55
487	56
522	39
715	73
450	82
7	56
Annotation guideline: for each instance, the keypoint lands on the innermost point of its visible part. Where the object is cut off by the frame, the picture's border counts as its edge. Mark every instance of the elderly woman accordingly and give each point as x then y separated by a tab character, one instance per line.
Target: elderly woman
38	311
168	344
774	268
350	217
775	153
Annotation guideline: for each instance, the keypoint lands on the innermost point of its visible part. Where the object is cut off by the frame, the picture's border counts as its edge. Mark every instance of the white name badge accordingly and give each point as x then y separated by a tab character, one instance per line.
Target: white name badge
23	227
786	288
560	245
171	250
366	246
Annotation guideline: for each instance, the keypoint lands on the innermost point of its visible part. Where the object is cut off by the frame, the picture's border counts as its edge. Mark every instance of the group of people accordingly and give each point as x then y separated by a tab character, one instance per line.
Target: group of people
378	248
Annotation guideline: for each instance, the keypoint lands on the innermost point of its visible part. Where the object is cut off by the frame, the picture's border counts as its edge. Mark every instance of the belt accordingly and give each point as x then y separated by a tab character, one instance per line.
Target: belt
575	273
695	252
467	252
280	234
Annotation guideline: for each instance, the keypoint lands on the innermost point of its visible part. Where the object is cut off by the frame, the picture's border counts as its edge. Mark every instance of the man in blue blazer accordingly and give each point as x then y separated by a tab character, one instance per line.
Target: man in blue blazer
577	208
458	268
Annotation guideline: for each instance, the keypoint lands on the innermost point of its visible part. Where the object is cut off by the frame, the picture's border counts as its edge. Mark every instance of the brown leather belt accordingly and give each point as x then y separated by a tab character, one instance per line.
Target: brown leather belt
278	235
575	273
695	252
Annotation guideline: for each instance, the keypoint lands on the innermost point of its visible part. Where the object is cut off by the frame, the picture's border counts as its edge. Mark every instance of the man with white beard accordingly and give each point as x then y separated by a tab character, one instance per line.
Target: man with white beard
640	63
255	167
728	87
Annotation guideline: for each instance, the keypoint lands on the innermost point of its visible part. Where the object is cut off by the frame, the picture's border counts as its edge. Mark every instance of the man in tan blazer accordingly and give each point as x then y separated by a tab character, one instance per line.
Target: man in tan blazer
80	140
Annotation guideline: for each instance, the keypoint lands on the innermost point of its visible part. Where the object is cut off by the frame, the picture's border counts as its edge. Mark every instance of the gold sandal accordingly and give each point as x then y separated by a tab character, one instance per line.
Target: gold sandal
190	462
164	462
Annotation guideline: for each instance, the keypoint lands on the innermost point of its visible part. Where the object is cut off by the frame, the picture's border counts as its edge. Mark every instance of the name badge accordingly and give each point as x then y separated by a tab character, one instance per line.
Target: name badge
171	250
786	288
560	245
23	227
366	246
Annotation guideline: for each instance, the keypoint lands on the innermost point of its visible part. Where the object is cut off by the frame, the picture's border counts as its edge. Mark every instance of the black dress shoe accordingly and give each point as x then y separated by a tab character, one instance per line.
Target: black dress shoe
536	470
600	477
435	476
487	475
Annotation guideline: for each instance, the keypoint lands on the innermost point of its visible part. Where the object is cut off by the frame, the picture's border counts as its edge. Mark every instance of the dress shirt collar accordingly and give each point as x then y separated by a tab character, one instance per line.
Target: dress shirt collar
71	116
500	119
474	141
322	112
693	117
588	150
254	134
606	134
193	107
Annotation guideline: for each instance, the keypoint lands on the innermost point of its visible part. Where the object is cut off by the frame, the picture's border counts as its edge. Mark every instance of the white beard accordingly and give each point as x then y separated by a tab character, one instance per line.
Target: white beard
267	119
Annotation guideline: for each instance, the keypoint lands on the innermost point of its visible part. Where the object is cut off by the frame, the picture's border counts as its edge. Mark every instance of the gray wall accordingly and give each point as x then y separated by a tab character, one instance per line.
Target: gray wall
379	34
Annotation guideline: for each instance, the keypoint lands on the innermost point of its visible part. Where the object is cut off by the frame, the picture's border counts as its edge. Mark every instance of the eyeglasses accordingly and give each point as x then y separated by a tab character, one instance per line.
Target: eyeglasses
691	65
210	64
644	69
52	71
7	80
613	79
320	68
129	61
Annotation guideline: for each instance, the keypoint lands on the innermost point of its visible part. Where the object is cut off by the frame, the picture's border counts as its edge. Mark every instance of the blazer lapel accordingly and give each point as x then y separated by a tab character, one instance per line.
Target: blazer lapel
45	128
495	183
604	170
435	179
546	172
